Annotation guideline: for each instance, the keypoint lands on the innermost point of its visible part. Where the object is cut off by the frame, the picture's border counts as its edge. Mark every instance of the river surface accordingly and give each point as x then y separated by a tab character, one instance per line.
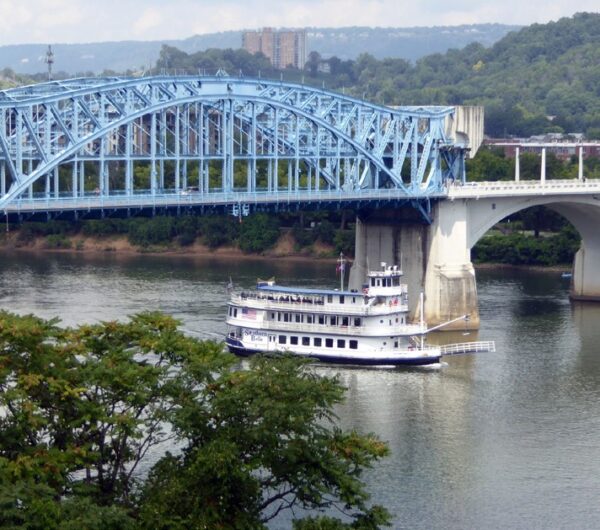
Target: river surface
498	440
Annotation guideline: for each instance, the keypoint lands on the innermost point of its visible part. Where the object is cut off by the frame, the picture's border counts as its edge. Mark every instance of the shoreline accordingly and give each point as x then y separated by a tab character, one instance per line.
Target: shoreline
197	252
202	252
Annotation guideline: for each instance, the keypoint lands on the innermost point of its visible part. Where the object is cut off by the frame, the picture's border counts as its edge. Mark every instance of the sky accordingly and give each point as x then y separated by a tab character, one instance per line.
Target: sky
69	21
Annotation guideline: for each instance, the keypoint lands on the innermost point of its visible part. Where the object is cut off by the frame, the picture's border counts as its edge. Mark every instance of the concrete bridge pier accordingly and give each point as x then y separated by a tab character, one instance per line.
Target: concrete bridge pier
585	284
586	281
435	260
450	286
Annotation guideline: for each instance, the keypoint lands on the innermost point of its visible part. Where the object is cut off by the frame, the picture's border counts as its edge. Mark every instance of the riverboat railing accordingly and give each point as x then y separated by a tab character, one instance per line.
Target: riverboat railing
468	347
316	305
320	329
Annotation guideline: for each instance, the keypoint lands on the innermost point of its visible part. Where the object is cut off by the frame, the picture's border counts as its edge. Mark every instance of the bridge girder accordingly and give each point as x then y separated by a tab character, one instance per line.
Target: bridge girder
112	136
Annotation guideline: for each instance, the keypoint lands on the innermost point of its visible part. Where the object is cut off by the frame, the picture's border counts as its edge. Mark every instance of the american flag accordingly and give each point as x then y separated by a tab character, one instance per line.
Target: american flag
249	313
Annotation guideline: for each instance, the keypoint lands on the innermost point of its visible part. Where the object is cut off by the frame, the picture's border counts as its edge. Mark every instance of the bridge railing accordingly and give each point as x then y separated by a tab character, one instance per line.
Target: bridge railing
91	201
527	187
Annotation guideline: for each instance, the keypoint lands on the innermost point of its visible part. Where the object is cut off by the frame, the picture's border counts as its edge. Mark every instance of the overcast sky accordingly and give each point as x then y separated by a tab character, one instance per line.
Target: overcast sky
62	21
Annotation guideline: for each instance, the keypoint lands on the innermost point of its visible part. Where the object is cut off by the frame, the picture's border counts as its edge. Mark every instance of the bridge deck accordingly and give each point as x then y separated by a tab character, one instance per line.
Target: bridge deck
196	199
476	190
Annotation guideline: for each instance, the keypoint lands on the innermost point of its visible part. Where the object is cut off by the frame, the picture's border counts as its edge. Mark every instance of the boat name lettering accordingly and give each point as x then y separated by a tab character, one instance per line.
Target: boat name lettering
255	335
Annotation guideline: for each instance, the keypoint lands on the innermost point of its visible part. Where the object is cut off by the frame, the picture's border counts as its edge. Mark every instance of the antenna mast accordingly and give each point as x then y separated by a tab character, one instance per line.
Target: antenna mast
49	61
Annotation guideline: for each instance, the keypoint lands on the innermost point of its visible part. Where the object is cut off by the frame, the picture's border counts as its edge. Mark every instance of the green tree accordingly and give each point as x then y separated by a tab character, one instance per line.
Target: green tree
81	409
258	232
264	444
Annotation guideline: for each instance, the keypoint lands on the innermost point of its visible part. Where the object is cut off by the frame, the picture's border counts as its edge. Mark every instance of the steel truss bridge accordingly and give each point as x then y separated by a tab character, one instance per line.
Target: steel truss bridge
107	146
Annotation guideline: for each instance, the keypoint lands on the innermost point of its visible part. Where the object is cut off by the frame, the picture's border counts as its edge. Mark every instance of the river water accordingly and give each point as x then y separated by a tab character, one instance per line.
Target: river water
498	440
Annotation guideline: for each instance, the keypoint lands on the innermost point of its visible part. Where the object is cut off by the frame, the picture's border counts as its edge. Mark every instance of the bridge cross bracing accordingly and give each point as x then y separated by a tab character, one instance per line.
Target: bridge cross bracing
90	143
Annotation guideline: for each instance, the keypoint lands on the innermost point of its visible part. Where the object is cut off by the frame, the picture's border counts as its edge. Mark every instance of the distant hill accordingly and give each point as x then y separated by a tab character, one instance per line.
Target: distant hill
542	78
345	43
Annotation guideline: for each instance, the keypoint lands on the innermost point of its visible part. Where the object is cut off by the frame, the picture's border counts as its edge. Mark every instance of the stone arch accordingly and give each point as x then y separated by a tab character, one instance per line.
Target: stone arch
583	212
483	214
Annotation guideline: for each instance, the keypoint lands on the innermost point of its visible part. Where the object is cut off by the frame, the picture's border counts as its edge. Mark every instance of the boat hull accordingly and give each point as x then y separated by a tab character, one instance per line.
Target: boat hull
402	359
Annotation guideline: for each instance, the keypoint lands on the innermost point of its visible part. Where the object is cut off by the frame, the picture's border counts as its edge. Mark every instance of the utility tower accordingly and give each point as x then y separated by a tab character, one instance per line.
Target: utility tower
49	61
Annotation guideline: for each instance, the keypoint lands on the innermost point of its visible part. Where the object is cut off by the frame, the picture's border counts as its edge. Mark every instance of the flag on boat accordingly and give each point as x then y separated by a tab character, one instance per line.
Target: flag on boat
341	264
249	313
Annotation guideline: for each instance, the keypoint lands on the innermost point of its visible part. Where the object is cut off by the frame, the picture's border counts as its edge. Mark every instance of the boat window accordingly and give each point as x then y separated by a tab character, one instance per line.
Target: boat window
309	319
341	343
397	282
354	299
357	322
305	341
353	344
329	299
235	312
279	317
396	320
345	321
272	316
321	319
318	342
293	340
372	282
333	321
286	317
282	339
395	344
298	317
329	343
341	299
402	320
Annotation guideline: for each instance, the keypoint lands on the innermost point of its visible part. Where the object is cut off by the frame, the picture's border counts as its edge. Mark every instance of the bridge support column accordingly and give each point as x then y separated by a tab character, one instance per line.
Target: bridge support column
586	281
450	286
435	260
395	243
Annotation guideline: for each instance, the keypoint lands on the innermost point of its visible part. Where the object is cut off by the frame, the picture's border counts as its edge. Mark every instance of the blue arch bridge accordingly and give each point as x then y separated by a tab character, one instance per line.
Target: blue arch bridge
102	146
113	146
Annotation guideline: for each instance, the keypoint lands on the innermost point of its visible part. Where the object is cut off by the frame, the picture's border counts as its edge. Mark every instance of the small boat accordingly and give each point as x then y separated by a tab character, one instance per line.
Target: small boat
370	327
566	275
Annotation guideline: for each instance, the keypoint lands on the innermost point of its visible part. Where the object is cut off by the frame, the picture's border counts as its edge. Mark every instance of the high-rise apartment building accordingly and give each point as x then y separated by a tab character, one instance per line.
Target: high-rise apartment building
283	48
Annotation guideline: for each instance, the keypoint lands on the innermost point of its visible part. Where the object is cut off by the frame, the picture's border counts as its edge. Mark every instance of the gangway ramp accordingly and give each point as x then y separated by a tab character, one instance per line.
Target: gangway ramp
468	347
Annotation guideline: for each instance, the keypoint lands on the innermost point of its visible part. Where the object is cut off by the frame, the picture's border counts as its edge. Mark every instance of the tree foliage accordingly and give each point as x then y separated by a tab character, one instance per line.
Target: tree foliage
83	408
518	248
258	232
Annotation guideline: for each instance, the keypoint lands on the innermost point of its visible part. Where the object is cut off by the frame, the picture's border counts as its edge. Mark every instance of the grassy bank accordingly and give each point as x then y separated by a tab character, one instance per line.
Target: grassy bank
256	235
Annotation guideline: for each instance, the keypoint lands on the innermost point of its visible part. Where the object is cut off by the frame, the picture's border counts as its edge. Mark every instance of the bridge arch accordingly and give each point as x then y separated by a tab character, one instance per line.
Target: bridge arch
350	144
582	211
66	154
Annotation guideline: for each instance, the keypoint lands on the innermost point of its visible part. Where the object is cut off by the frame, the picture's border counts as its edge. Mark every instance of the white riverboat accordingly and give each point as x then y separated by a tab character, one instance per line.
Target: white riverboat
336	326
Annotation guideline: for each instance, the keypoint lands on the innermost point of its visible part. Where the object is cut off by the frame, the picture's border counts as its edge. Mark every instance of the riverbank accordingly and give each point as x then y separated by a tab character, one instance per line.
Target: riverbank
284	249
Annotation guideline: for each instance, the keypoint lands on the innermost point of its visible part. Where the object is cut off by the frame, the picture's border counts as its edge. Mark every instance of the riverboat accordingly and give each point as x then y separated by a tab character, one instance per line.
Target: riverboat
370	327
